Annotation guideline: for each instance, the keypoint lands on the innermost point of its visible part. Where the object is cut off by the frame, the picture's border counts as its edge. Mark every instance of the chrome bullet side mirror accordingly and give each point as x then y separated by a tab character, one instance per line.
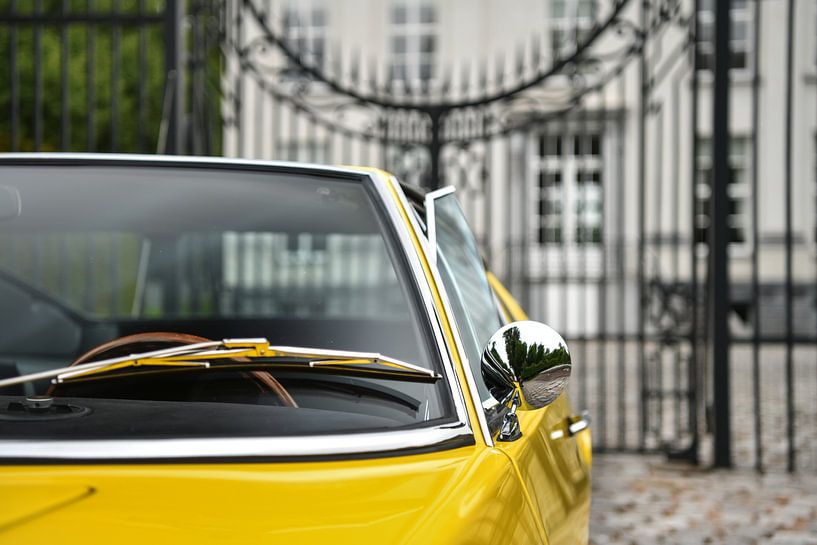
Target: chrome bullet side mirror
526	363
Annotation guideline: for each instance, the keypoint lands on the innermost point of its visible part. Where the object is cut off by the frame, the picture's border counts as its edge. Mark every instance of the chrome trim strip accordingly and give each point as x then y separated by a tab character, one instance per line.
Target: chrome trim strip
431	220
180	160
381	184
435	273
469	375
310	445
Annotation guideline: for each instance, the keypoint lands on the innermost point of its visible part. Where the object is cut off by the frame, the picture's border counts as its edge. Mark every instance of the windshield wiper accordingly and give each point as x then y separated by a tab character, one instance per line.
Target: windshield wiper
255	353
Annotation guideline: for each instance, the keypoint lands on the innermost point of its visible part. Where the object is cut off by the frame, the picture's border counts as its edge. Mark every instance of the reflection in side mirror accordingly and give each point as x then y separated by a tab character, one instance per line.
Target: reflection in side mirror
529	359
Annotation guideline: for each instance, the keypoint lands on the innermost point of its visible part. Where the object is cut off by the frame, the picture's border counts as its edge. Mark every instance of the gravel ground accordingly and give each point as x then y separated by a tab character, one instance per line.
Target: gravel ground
646	500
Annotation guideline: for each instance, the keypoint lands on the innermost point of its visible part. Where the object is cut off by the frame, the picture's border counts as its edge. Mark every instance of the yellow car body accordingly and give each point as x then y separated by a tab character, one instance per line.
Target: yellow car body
532	490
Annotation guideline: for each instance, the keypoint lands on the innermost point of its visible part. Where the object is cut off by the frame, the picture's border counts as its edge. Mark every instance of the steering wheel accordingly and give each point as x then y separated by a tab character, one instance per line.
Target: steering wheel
144	342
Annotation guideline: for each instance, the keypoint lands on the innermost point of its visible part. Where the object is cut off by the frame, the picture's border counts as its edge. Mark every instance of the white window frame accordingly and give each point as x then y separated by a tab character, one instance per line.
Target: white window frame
742	15
571	23
739	190
414	32
569	165
302	26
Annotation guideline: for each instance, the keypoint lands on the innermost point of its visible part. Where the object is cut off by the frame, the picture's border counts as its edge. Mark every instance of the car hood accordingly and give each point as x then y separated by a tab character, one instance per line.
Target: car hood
445	497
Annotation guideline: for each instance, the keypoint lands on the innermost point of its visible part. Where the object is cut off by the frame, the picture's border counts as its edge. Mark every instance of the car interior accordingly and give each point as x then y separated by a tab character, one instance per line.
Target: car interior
45	326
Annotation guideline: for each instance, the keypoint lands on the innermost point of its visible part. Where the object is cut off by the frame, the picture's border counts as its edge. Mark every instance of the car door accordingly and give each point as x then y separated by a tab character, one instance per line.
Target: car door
547	455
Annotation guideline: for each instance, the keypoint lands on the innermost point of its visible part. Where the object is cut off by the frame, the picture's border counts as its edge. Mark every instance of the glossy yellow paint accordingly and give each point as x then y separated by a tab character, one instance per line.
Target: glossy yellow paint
534	490
457	496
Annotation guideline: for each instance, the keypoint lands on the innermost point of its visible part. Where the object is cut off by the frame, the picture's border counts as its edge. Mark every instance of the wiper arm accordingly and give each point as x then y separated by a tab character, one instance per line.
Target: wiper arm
254	352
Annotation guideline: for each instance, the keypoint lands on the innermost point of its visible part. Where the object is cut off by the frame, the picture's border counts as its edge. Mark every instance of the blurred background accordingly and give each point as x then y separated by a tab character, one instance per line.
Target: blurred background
642	174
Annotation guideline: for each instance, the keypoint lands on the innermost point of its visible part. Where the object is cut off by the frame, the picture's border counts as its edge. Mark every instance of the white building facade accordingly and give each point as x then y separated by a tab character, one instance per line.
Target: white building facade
557	204
578	134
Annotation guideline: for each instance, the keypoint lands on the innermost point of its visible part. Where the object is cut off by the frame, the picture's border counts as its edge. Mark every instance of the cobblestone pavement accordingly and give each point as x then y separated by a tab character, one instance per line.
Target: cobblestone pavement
646	500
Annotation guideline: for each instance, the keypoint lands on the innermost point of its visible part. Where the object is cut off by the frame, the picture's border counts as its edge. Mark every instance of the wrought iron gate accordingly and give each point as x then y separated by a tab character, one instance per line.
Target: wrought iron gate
110	76
538	177
608	193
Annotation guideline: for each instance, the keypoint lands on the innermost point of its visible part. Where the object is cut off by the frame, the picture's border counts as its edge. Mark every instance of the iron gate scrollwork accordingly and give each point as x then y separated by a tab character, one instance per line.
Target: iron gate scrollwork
489	132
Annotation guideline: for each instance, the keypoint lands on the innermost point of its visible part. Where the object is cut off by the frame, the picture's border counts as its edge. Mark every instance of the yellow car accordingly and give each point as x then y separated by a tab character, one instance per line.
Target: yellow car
223	351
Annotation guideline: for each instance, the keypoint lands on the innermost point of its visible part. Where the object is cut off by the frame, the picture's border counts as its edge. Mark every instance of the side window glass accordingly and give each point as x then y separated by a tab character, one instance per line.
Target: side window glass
463	275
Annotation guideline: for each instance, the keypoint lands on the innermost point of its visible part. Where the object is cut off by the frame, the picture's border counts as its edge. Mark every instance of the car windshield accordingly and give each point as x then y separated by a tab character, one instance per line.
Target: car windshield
100	262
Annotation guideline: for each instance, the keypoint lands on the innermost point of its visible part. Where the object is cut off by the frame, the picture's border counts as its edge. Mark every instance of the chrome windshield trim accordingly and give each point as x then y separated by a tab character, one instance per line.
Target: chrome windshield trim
431	220
172	160
382	183
435	273
232	447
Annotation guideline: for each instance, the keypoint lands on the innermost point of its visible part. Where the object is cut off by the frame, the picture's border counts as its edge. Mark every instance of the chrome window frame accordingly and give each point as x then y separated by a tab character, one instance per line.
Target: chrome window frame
428	243
457	433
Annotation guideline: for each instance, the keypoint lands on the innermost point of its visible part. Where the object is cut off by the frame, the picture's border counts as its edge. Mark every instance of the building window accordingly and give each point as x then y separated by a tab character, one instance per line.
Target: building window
570	22
740	42
305	32
570	191
413	45
738	190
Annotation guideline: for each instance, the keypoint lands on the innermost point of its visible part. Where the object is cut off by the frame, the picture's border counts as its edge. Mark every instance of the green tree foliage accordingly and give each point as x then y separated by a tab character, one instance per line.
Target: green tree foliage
110	72
530	360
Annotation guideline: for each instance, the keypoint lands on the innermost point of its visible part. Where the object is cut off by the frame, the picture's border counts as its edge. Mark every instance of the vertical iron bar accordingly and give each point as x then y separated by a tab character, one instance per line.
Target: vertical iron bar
141	103
116	32
65	107
277	108
38	79
642	186
508	196
676	243
791	458
347	147
435	147
758	429
621	190
364	150
719	239
173	64
581	152
258	150
601	384
543	213
331	139
694	337
90	100
563	275
383	124
15	82
295	133
238	96
657	396
488	200
524	225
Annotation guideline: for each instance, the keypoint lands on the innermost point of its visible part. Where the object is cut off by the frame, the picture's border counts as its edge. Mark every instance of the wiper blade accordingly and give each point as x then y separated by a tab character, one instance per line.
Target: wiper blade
252	352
